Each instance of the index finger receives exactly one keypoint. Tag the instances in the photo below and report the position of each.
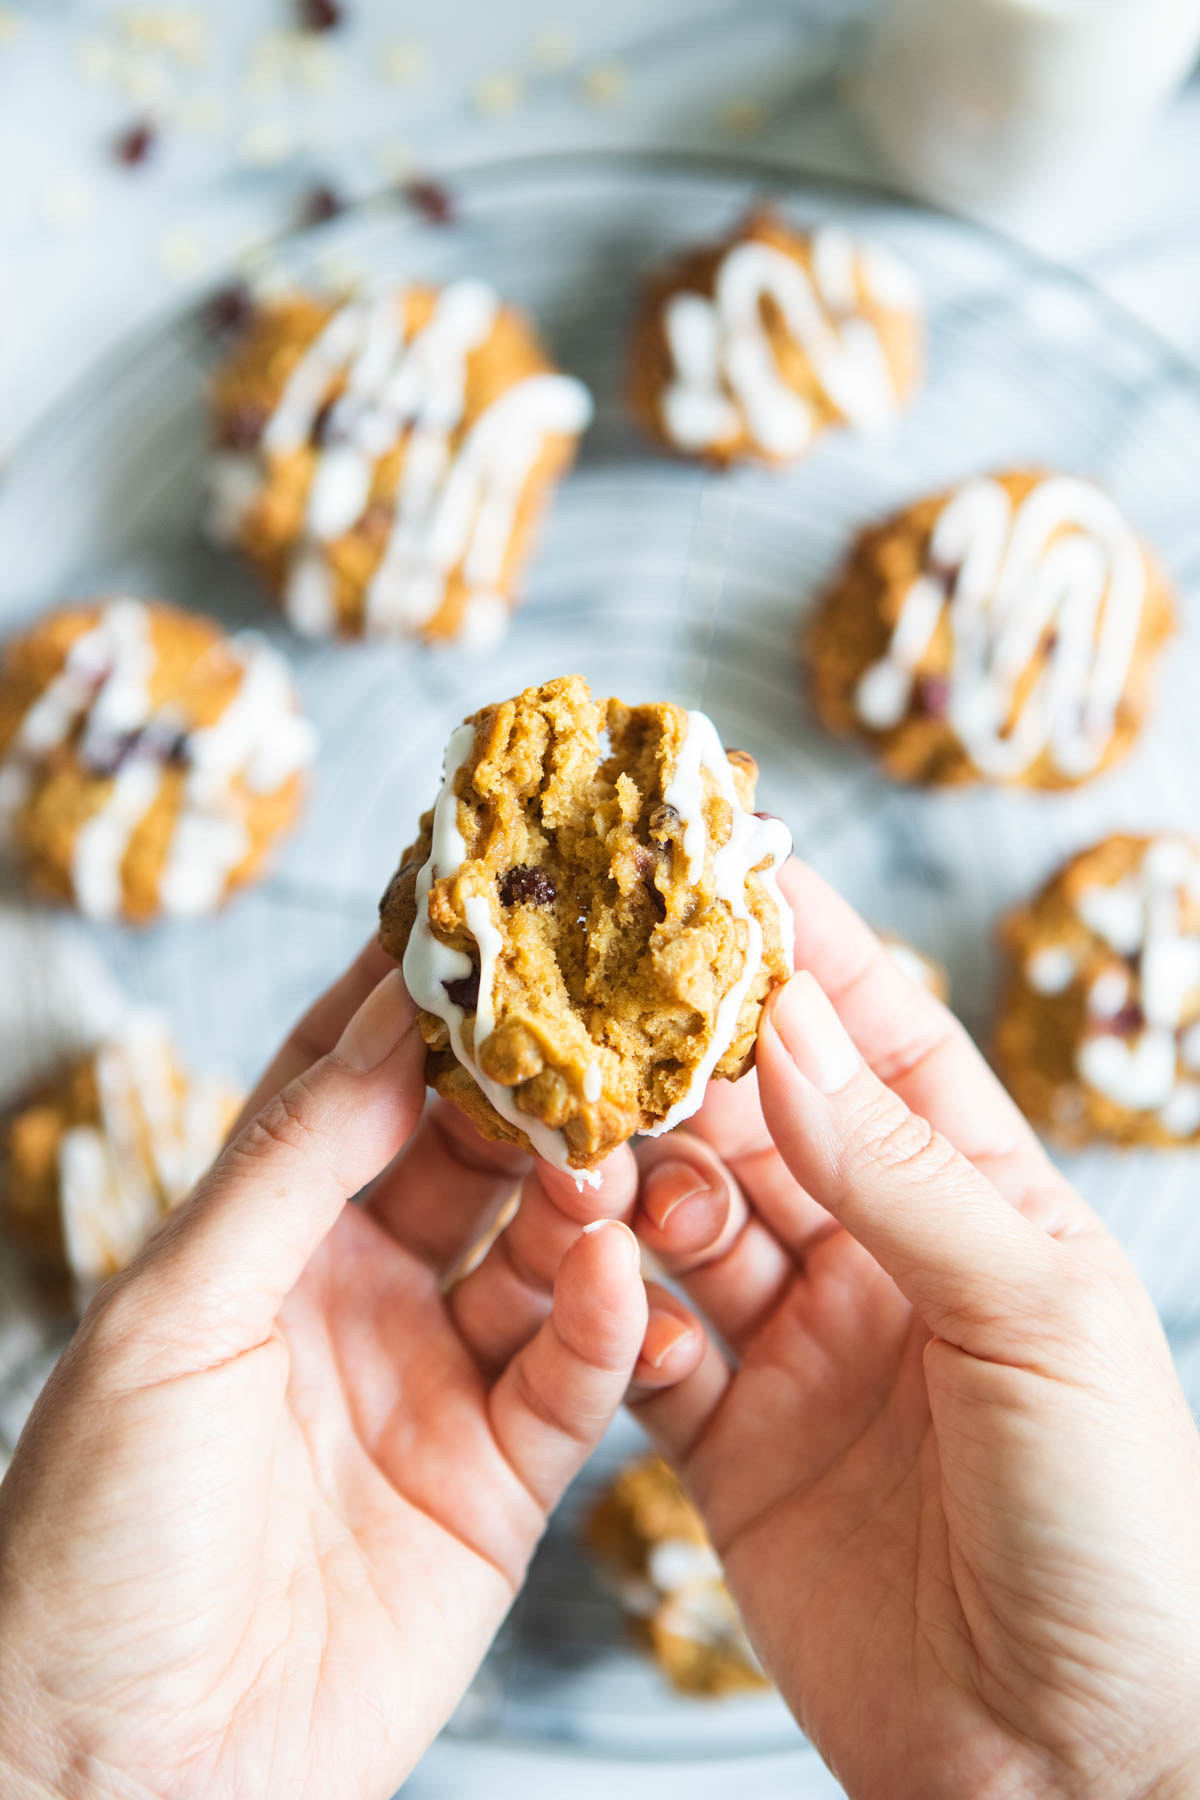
(315, 1034)
(912, 1042)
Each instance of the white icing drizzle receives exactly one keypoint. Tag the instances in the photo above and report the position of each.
(724, 370)
(1108, 993)
(684, 1592)
(431, 967)
(455, 502)
(1050, 970)
(751, 841)
(1065, 561)
(103, 689)
(673, 1563)
(1140, 919)
(118, 1178)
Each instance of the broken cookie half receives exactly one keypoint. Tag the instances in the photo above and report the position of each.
(589, 920)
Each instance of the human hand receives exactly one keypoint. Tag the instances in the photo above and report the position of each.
(282, 1487)
(951, 1474)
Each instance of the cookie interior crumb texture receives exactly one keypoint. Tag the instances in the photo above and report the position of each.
(1005, 631)
(652, 1544)
(384, 461)
(100, 1153)
(148, 762)
(589, 919)
(753, 347)
(1099, 1029)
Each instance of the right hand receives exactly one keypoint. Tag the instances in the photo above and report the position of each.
(949, 1468)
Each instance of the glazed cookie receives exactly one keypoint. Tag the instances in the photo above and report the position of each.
(589, 919)
(1005, 631)
(97, 1156)
(148, 762)
(1099, 1031)
(383, 462)
(650, 1541)
(752, 347)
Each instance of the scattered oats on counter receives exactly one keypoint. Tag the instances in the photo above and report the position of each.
(497, 94)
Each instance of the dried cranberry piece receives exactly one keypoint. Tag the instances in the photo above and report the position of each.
(933, 695)
(136, 144)
(465, 991)
(944, 573)
(111, 754)
(229, 308)
(434, 202)
(663, 821)
(321, 204)
(320, 15)
(321, 432)
(243, 427)
(524, 885)
(1129, 1020)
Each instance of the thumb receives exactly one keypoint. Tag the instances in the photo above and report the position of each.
(213, 1279)
(967, 1261)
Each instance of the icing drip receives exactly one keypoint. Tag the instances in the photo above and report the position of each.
(118, 1178)
(1140, 1031)
(725, 372)
(103, 691)
(431, 968)
(752, 840)
(684, 1591)
(455, 502)
(1062, 574)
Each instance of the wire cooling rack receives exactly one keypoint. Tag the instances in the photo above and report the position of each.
(654, 579)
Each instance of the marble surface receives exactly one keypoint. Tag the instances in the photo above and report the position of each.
(249, 119)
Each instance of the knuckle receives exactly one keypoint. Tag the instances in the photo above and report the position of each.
(286, 1123)
(887, 1137)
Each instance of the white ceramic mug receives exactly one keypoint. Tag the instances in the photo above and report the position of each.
(1007, 104)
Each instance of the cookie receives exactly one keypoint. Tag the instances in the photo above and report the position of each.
(1005, 631)
(917, 966)
(1099, 1029)
(650, 1541)
(148, 761)
(97, 1156)
(384, 461)
(589, 919)
(751, 348)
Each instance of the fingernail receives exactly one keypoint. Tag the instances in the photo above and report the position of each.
(631, 1243)
(665, 1188)
(664, 1334)
(813, 1035)
(377, 1027)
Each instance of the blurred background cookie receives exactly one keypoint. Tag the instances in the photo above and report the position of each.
(589, 919)
(750, 348)
(148, 761)
(1004, 631)
(652, 1546)
(96, 1156)
(1099, 1030)
(384, 461)
(921, 968)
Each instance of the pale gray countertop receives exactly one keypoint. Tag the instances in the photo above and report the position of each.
(252, 120)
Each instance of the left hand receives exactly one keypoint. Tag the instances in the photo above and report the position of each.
(283, 1486)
